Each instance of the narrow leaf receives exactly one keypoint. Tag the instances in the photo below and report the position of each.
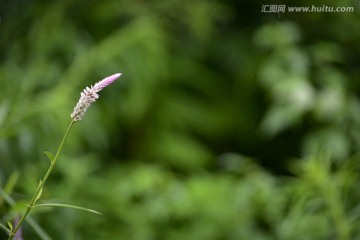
(10, 184)
(49, 155)
(39, 194)
(8, 231)
(66, 206)
(10, 226)
(36, 227)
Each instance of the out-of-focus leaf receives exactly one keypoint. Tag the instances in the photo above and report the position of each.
(7, 230)
(66, 206)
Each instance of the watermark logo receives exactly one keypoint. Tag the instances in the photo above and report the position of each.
(309, 9)
(273, 8)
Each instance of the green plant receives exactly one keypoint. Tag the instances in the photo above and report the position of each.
(88, 96)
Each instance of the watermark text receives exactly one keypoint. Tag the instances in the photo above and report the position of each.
(312, 9)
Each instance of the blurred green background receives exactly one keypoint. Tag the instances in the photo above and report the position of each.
(228, 122)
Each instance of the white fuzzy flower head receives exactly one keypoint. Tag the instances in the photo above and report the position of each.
(89, 95)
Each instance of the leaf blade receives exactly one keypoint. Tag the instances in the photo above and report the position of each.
(10, 226)
(67, 206)
(50, 156)
(38, 196)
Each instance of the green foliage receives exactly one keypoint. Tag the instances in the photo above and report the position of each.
(228, 123)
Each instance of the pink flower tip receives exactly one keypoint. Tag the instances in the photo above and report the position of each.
(90, 95)
(106, 81)
(112, 78)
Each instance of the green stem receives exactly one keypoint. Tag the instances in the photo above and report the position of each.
(41, 184)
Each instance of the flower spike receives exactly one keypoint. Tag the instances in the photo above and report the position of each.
(89, 95)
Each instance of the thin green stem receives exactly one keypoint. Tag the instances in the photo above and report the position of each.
(41, 184)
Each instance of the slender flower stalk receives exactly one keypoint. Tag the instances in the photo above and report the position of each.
(88, 96)
(38, 191)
